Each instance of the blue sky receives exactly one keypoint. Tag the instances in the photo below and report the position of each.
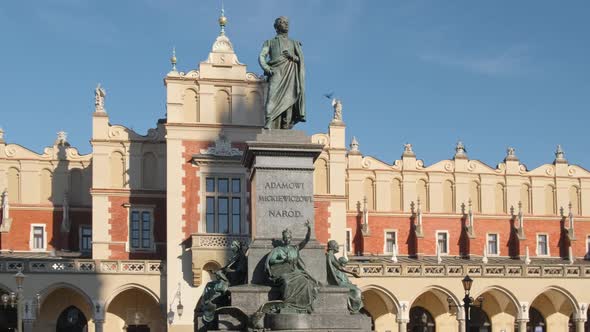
(492, 74)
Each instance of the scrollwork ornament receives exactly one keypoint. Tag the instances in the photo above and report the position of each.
(522, 169)
(366, 162)
(571, 171)
(397, 163)
(501, 168)
(10, 151)
(471, 166)
(549, 170)
(419, 164)
(449, 167)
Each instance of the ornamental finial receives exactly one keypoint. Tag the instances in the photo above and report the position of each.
(173, 59)
(222, 20)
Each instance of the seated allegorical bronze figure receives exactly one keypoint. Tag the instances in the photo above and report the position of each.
(337, 276)
(216, 291)
(286, 268)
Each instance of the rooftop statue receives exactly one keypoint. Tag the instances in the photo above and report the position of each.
(337, 276)
(286, 268)
(281, 58)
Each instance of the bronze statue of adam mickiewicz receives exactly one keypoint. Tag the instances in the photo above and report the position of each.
(281, 59)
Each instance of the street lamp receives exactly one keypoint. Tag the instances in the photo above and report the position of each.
(468, 301)
(20, 279)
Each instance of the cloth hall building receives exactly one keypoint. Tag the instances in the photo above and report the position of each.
(126, 237)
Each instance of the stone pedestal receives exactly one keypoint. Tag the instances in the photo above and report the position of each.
(281, 177)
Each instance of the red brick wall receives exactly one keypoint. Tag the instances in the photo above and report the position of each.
(119, 226)
(322, 224)
(509, 245)
(192, 188)
(19, 236)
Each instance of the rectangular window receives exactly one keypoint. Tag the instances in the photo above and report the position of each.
(542, 246)
(390, 241)
(140, 229)
(348, 246)
(442, 239)
(588, 247)
(492, 244)
(85, 238)
(38, 237)
(223, 211)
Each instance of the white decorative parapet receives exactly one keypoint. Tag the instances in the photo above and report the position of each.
(379, 269)
(83, 266)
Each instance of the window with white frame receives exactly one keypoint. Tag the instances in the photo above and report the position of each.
(390, 241)
(542, 245)
(493, 244)
(224, 205)
(348, 243)
(442, 242)
(38, 238)
(85, 238)
(141, 225)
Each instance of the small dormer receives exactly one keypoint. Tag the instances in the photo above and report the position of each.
(220, 91)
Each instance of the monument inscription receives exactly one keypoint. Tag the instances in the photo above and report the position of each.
(284, 201)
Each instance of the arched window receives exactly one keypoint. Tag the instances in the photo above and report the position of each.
(475, 196)
(525, 197)
(550, 200)
(46, 186)
(149, 170)
(500, 196)
(422, 194)
(396, 195)
(421, 320)
(77, 191)
(369, 193)
(14, 185)
(321, 176)
(448, 197)
(72, 320)
(191, 106)
(117, 170)
(479, 320)
(574, 196)
(222, 107)
(536, 321)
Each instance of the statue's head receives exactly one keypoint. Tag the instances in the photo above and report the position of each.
(236, 245)
(333, 246)
(287, 236)
(282, 24)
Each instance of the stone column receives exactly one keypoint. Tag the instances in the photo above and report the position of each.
(28, 325)
(98, 325)
(461, 322)
(580, 325)
(522, 324)
(402, 325)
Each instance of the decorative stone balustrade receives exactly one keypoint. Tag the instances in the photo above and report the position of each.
(217, 241)
(82, 266)
(385, 269)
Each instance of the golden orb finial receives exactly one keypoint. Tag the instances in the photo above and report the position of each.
(173, 59)
(222, 20)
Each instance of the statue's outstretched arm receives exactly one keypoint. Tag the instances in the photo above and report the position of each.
(262, 59)
(307, 236)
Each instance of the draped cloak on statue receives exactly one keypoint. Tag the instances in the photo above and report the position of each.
(285, 104)
(299, 289)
